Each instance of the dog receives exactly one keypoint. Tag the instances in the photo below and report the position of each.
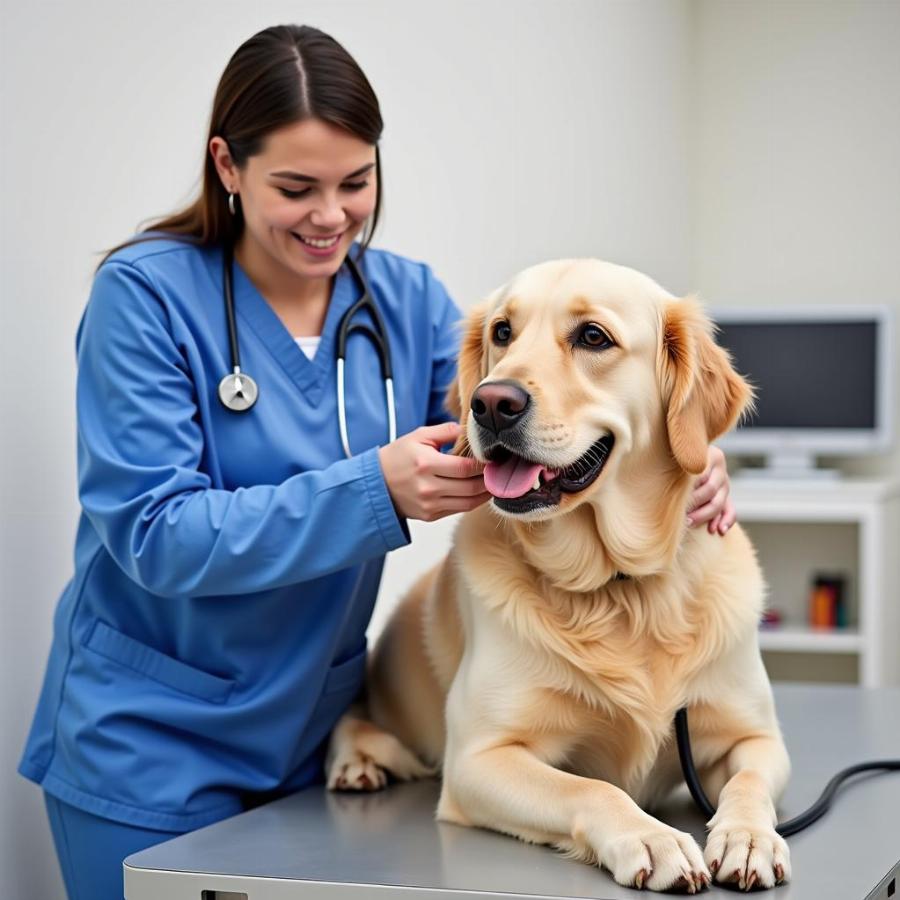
(540, 665)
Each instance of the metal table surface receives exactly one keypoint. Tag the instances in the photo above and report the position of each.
(387, 846)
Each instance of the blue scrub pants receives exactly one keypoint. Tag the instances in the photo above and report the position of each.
(91, 850)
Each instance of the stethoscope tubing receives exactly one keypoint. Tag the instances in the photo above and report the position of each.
(378, 337)
(785, 829)
(342, 409)
(238, 392)
(229, 309)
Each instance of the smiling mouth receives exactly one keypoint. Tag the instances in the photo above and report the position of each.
(520, 485)
(318, 243)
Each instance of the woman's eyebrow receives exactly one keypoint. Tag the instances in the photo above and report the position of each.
(296, 176)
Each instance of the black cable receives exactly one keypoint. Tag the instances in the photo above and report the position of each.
(785, 829)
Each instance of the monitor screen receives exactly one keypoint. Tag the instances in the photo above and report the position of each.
(807, 374)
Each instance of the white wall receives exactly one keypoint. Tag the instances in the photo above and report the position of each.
(515, 132)
(796, 172)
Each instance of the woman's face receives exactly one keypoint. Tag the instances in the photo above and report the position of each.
(307, 195)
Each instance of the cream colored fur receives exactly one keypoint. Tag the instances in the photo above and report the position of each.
(542, 686)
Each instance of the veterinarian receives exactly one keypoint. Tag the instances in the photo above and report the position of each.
(229, 551)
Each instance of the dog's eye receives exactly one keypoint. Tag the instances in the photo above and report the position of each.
(502, 333)
(595, 337)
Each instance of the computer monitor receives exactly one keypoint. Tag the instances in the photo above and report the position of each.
(823, 377)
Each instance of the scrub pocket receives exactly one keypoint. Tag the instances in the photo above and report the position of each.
(342, 684)
(113, 644)
(347, 675)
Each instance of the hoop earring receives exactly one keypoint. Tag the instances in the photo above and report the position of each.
(231, 203)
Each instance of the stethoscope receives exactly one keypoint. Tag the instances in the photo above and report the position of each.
(239, 392)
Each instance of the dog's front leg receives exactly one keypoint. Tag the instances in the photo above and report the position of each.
(508, 788)
(743, 846)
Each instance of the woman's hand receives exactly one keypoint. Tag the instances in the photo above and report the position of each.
(427, 484)
(710, 501)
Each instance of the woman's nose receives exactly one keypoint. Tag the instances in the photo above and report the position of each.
(328, 214)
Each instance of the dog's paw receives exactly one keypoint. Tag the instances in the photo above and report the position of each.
(361, 756)
(355, 771)
(755, 857)
(657, 857)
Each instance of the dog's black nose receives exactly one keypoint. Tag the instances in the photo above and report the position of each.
(499, 404)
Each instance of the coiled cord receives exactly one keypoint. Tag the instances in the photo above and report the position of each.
(785, 829)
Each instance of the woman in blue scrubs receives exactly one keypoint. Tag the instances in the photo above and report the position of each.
(226, 564)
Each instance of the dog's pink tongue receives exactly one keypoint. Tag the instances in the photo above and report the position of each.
(511, 478)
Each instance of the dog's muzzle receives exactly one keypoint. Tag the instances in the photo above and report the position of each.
(519, 483)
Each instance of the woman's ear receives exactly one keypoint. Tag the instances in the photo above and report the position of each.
(702, 393)
(469, 373)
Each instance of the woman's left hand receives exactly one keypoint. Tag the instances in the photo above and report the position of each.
(710, 501)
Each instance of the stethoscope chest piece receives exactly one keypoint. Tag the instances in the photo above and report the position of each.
(238, 391)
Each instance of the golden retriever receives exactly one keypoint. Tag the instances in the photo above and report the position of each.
(540, 665)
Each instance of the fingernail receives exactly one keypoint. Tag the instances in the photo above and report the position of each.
(688, 521)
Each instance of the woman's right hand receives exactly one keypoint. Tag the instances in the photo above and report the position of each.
(427, 484)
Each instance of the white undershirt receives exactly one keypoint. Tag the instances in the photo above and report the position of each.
(308, 344)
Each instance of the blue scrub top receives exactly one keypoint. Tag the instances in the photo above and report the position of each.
(226, 565)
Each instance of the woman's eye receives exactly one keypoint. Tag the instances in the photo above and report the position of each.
(293, 195)
(595, 337)
(352, 186)
(501, 333)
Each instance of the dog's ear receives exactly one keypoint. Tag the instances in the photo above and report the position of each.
(703, 394)
(469, 373)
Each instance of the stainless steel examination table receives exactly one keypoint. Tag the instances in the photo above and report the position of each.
(387, 845)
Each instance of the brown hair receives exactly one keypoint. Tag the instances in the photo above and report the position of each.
(280, 76)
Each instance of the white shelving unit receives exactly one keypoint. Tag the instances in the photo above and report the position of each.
(870, 512)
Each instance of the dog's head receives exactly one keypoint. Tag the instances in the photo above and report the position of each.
(578, 368)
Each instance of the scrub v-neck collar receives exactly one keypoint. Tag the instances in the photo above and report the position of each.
(310, 375)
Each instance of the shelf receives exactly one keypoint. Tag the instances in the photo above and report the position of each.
(849, 526)
(850, 500)
(799, 639)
